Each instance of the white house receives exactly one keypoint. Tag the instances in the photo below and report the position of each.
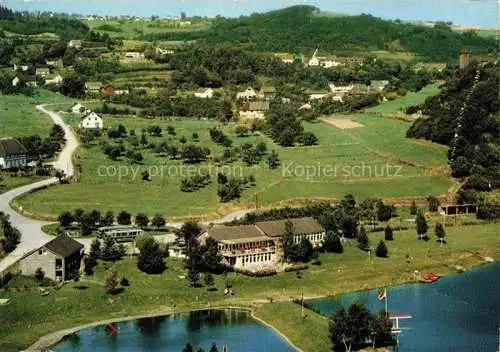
(57, 80)
(248, 94)
(42, 71)
(75, 44)
(340, 89)
(77, 108)
(379, 85)
(23, 68)
(317, 95)
(328, 62)
(12, 154)
(91, 121)
(161, 51)
(204, 93)
(255, 110)
(135, 55)
(16, 81)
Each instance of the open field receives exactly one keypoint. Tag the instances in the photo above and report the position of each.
(29, 315)
(18, 116)
(9, 181)
(412, 98)
(343, 124)
(376, 160)
(131, 29)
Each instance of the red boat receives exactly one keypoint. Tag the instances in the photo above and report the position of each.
(430, 277)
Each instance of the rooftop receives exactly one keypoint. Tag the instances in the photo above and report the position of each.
(64, 245)
(10, 146)
(277, 228)
(235, 234)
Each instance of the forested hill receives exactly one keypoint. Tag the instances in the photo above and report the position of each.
(28, 24)
(300, 29)
(477, 150)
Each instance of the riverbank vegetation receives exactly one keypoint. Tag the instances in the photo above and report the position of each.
(85, 301)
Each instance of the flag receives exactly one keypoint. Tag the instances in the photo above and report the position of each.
(382, 294)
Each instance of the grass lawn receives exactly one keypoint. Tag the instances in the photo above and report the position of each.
(29, 315)
(411, 98)
(375, 160)
(9, 181)
(18, 116)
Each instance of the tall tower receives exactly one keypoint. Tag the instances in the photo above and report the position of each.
(464, 58)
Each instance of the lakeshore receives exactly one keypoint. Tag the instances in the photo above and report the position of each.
(31, 316)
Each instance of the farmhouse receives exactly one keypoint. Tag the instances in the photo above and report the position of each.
(255, 110)
(379, 85)
(57, 80)
(204, 93)
(327, 62)
(75, 44)
(259, 247)
(317, 95)
(285, 57)
(93, 87)
(430, 66)
(12, 154)
(54, 63)
(16, 81)
(77, 108)
(91, 121)
(160, 51)
(42, 71)
(267, 93)
(248, 94)
(134, 55)
(60, 259)
(23, 68)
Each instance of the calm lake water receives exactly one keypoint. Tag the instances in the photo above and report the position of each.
(235, 329)
(457, 313)
(484, 13)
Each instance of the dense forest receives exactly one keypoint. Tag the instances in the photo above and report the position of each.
(472, 134)
(29, 24)
(298, 29)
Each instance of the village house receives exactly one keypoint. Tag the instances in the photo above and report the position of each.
(42, 71)
(161, 51)
(54, 63)
(266, 93)
(285, 57)
(204, 93)
(59, 259)
(121, 92)
(306, 106)
(56, 80)
(254, 110)
(77, 44)
(23, 68)
(429, 66)
(91, 121)
(31, 84)
(259, 246)
(134, 55)
(12, 154)
(93, 87)
(379, 85)
(78, 108)
(317, 94)
(248, 94)
(16, 81)
(327, 62)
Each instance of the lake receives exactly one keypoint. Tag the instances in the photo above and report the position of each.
(482, 13)
(456, 313)
(235, 329)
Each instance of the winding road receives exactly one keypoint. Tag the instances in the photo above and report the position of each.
(32, 236)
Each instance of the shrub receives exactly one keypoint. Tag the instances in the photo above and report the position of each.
(388, 233)
(124, 282)
(382, 250)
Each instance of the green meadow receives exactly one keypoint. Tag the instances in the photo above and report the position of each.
(374, 160)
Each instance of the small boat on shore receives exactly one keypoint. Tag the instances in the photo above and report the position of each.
(430, 277)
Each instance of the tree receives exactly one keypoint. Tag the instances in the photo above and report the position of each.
(273, 159)
(332, 243)
(213, 348)
(384, 212)
(208, 279)
(65, 219)
(193, 276)
(381, 250)
(89, 264)
(142, 220)
(158, 221)
(87, 224)
(151, 258)
(363, 240)
(78, 214)
(289, 247)
(413, 208)
(440, 232)
(381, 329)
(421, 225)
(305, 250)
(190, 230)
(112, 251)
(39, 275)
(388, 233)
(124, 218)
(188, 348)
(339, 331)
(95, 249)
(433, 203)
(111, 282)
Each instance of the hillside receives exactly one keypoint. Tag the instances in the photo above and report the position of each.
(298, 29)
(475, 150)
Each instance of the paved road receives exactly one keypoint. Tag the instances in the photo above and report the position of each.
(32, 235)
